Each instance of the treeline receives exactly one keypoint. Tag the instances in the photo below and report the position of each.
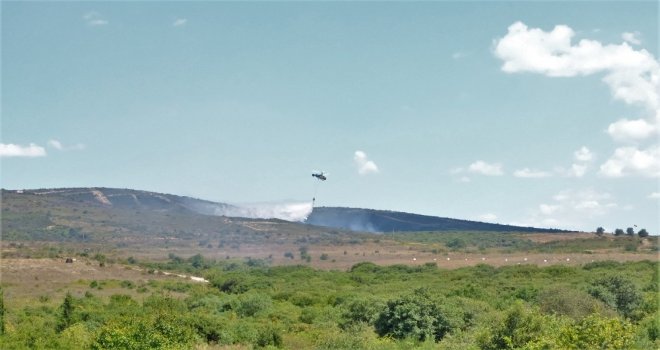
(601, 305)
(630, 231)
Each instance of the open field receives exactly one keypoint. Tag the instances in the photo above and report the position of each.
(30, 270)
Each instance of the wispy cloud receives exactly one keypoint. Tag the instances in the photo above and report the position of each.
(94, 19)
(531, 174)
(583, 154)
(56, 144)
(13, 150)
(572, 209)
(180, 22)
(488, 217)
(458, 55)
(632, 38)
(654, 195)
(488, 169)
(363, 164)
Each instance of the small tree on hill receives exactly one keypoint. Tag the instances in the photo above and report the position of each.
(630, 231)
(600, 231)
(643, 233)
(618, 232)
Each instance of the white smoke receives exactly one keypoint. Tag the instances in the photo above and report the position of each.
(292, 211)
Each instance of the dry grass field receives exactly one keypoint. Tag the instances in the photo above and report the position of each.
(28, 279)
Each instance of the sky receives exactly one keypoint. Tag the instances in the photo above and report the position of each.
(530, 113)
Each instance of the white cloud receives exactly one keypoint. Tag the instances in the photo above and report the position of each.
(632, 161)
(464, 179)
(488, 217)
(364, 165)
(483, 168)
(632, 38)
(632, 75)
(654, 195)
(94, 19)
(13, 150)
(531, 174)
(631, 130)
(180, 22)
(583, 154)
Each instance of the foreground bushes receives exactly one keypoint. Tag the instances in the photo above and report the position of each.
(604, 306)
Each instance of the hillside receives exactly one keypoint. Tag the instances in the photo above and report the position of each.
(110, 214)
(122, 215)
(370, 220)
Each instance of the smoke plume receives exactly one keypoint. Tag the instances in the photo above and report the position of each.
(292, 211)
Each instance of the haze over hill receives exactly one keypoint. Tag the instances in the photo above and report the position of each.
(370, 220)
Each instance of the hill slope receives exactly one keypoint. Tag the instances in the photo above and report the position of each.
(107, 214)
(370, 220)
(104, 214)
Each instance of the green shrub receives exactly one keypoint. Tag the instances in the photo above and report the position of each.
(617, 292)
(414, 316)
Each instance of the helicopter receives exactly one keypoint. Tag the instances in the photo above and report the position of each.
(320, 175)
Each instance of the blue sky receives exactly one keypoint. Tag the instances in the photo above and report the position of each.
(535, 113)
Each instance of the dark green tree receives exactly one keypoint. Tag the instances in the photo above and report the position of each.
(600, 231)
(643, 233)
(66, 313)
(414, 316)
(630, 231)
(618, 232)
(197, 261)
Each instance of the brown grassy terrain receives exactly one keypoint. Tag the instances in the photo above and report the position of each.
(38, 277)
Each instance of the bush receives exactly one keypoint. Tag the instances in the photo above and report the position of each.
(595, 332)
(568, 302)
(522, 327)
(360, 310)
(252, 304)
(414, 316)
(617, 292)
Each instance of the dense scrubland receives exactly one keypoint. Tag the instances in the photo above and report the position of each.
(249, 304)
